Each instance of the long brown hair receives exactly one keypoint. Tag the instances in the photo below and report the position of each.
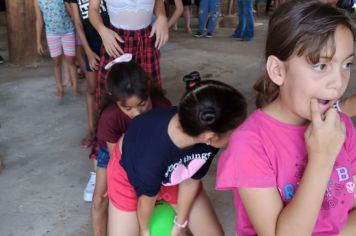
(299, 27)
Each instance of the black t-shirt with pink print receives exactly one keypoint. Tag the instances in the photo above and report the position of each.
(151, 159)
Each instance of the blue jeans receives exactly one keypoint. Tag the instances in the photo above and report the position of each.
(245, 28)
(208, 15)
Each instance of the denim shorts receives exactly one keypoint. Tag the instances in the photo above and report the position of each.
(103, 157)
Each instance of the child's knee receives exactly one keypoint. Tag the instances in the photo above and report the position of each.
(57, 61)
(70, 60)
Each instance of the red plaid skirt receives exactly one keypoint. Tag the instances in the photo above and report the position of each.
(142, 48)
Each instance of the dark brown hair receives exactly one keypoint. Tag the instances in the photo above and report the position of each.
(211, 105)
(299, 27)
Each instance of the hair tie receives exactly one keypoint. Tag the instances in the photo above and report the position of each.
(192, 80)
(207, 115)
(126, 57)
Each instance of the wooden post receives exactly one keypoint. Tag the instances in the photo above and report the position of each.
(21, 31)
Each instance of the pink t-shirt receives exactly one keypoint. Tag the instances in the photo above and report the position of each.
(264, 152)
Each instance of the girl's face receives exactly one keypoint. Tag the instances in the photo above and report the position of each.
(326, 80)
(134, 106)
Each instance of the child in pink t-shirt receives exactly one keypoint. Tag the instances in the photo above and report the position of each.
(292, 163)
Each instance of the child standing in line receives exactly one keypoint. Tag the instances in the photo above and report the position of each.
(91, 42)
(292, 163)
(209, 11)
(245, 28)
(130, 94)
(130, 32)
(166, 148)
(60, 37)
(180, 7)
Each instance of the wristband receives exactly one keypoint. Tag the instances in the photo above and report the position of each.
(182, 226)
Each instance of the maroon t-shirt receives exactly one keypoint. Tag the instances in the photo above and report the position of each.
(113, 122)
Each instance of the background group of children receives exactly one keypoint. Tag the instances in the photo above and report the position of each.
(303, 80)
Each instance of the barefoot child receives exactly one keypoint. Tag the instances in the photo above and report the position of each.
(60, 38)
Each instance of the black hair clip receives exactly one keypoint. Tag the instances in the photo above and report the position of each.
(192, 80)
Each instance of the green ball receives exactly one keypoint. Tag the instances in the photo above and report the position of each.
(161, 221)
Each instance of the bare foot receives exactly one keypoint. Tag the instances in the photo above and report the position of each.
(66, 83)
(59, 93)
(188, 30)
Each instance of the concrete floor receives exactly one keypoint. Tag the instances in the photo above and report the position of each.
(42, 185)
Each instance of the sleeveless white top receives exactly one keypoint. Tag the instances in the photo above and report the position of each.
(130, 14)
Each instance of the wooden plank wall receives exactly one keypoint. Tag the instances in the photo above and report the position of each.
(21, 31)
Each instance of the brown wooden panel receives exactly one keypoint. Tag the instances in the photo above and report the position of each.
(21, 31)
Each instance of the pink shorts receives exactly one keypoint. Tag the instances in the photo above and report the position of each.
(59, 42)
(120, 191)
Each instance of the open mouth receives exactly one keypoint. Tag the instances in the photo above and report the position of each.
(323, 102)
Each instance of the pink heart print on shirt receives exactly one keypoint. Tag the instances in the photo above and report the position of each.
(181, 172)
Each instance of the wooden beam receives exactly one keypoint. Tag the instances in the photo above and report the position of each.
(21, 31)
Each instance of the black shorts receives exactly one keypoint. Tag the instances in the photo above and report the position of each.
(185, 2)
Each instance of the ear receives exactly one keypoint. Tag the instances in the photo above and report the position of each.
(276, 70)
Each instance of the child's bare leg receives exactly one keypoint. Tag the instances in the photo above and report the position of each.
(58, 75)
(99, 209)
(122, 222)
(90, 97)
(91, 78)
(202, 213)
(186, 15)
(73, 74)
(66, 82)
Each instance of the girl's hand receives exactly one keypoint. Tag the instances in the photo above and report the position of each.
(324, 137)
(160, 28)
(176, 231)
(40, 49)
(93, 60)
(110, 40)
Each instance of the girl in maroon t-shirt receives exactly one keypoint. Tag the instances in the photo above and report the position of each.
(130, 93)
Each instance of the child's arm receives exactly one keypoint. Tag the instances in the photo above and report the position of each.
(350, 227)
(110, 38)
(348, 106)
(39, 27)
(111, 147)
(160, 26)
(144, 209)
(92, 57)
(264, 206)
(176, 14)
(188, 190)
